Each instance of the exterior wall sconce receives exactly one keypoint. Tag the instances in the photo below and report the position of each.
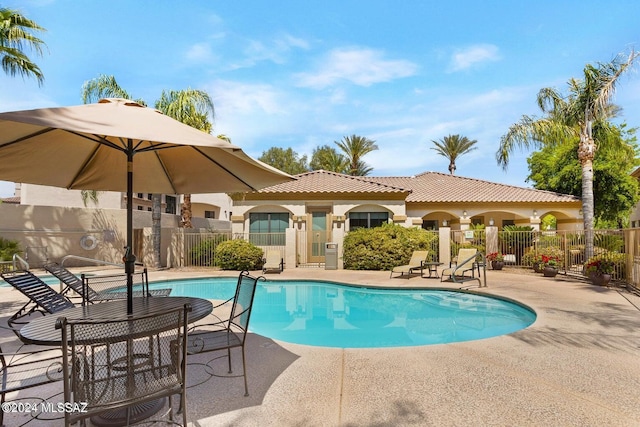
(580, 212)
(464, 214)
(444, 222)
(491, 222)
(535, 213)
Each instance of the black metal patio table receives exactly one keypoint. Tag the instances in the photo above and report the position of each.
(42, 331)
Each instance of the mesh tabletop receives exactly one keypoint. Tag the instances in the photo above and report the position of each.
(42, 330)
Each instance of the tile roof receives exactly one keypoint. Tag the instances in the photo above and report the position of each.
(441, 187)
(15, 200)
(430, 187)
(321, 181)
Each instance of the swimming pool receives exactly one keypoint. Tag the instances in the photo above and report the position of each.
(328, 314)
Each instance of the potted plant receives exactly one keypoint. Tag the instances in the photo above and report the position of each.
(496, 259)
(550, 264)
(599, 270)
(537, 264)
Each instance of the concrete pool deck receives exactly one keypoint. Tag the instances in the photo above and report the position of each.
(577, 365)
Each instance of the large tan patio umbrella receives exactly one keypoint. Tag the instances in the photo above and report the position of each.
(119, 145)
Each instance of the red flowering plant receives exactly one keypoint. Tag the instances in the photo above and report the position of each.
(550, 261)
(599, 266)
(495, 256)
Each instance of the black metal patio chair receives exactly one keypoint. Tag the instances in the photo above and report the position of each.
(119, 365)
(99, 288)
(231, 332)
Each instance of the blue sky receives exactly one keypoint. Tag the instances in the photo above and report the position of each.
(302, 74)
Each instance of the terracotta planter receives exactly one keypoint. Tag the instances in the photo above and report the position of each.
(497, 265)
(549, 271)
(600, 279)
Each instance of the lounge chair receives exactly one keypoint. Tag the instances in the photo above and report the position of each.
(416, 263)
(463, 270)
(42, 297)
(104, 287)
(230, 332)
(273, 261)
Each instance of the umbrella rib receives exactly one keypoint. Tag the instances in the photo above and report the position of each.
(166, 173)
(158, 147)
(221, 166)
(15, 141)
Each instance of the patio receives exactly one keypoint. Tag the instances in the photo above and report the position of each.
(577, 365)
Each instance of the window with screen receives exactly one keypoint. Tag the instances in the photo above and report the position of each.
(367, 219)
(268, 228)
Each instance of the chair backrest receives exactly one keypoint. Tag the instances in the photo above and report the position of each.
(418, 257)
(466, 258)
(99, 285)
(243, 302)
(114, 364)
(38, 292)
(71, 281)
(273, 257)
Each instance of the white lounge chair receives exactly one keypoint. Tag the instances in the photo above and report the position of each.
(416, 263)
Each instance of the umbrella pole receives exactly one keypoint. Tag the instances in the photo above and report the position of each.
(129, 257)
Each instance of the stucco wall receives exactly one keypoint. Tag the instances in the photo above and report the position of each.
(51, 232)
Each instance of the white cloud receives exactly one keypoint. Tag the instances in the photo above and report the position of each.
(362, 67)
(199, 52)
(473, 55)
(276, 50)
(244, 99)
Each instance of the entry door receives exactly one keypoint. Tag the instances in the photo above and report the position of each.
(317, 234)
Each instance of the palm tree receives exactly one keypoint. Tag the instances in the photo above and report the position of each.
(191, 107)
(224, 137)
(570, 118)
(16, 33)
(188, 106)
(354, 148)
(452, 147)
(105, 86)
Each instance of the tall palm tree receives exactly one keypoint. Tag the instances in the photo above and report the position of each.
(191, 107)
(105, 86)
(452, 147)
(188, 106)
(354, 148)
(570, 118)
(16, 33)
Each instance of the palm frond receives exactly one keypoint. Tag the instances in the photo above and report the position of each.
(103, 86)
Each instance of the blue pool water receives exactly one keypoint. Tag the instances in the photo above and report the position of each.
(335, 315)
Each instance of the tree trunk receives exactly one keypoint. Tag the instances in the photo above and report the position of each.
(586, 152)
(156, 228)
(186, 212)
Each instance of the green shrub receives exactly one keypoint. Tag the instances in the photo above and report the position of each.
(202, 254)
(238, 255)
(8, 248)
(384, 247)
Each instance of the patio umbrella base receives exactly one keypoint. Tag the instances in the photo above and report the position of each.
(118, 417)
